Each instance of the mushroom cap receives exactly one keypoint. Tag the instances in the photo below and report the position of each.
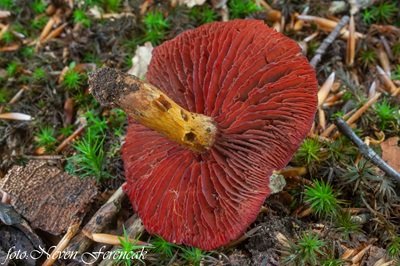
(262, 93)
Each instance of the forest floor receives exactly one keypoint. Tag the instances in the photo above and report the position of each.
(337, 207)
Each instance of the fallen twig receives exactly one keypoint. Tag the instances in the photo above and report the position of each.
(72, 230)
(328, 40)
(98, 222)
(366, 151)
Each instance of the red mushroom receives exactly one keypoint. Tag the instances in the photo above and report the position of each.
(248, 99)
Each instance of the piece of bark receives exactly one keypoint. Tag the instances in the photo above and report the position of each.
(13, 240)
(50, 199)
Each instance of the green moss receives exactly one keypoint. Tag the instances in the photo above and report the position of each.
(393, 249)
(309, 151)
(12, 69)
(4, 94)
(39, 22)
(39, 74)
(203, 14)
(163, 247)
(192, 255)
(383, 12)
(155, 27)
(307, 250)
(38, 6)
(73, 80)
(80, 17)
(368, 57)
(386, 113)
(242, 8)
(8, 37)
(7, 4)
(322, 198)
(46, 138)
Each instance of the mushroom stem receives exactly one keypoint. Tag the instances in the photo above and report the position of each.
(152, 108)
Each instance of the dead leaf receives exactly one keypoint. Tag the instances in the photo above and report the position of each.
(391, 152)
(141, 60)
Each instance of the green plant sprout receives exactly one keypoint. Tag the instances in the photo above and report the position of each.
(396, 73)
(396, 49)
(242, 8)
(67, 130)
(73, 80)
(346, 225)
(307, 250)
(80, 17)
(90, 156)
(3, 95)
(7, 4)
(163, 247)
(333, 262)
(309, 151)
(12, 69)
(386, 113)
(203, 14)
(39, 74)
(111, 5)
(39, 22)
(155, 27)
(46, 138)
(128, 251)
(8, 37)
(193, 255)
(383, 12)
(368, 57)
(393, 248)
(89, 159)
(27, 51)
(38, 6)
(322, 199)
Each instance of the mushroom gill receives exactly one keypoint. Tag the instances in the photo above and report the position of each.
(260, 91)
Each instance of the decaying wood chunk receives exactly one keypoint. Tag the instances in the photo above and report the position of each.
(47, 197)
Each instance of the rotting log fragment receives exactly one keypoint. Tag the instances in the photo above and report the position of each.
(48, 198)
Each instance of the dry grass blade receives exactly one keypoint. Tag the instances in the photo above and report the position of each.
(55, 33)
(325, 89)
(70, 138)
(387, 82)
(329, 25)
(351, 43)
(362, 109)
(329, 130)
(384, 60)
(111, 239)
(16, 116)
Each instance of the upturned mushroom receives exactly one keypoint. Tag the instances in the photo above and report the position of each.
(225, 105)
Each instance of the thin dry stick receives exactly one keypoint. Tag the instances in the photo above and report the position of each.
(366, 151)
(362, 109)
(328, 40)
(100, 220)
(72, 230)
(329, 130)
(70, 138)
(351, 43)
(387, 82)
